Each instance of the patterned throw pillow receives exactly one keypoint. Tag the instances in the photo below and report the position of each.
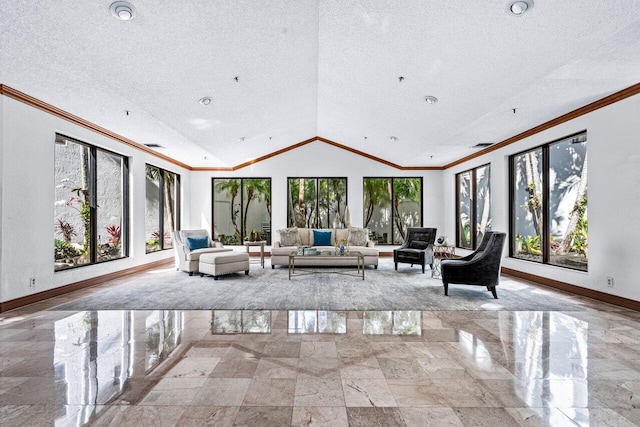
(357, 236)
(290, 237)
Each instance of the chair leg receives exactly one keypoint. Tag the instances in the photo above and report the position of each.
(396, 266)
(493, 291)
(191, 273)
(446, 289)
(422, 268)
(246, 272)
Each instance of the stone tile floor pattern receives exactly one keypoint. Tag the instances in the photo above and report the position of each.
(319, 368)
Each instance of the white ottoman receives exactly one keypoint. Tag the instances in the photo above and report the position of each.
(217, 264)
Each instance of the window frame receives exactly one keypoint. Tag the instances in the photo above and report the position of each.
(473, 208)
(93, 203)
(317, 198)
(545, 239)
(243, 232)
(177, 202)
(393, 228)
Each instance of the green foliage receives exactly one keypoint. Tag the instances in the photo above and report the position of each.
(64, 250)
(580, 234)
(377, 193)
(85, 215)
(404, 190)
(65, 229)
(529, 244)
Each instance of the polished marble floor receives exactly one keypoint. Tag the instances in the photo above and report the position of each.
(308, 368)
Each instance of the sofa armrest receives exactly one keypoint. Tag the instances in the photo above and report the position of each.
(217, 244)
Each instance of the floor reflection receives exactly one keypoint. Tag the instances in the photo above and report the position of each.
(555, 366)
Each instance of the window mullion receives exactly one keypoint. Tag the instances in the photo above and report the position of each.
(161, 199)
(545, 240)
(473, 209)
(93, 203)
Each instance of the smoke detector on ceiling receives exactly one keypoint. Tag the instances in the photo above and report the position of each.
(122, 10)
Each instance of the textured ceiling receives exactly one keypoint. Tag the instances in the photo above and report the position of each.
(319, 67)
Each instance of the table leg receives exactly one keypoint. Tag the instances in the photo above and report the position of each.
(262, 255)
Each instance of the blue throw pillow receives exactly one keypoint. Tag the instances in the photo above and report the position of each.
(321, 238)
(198, 242)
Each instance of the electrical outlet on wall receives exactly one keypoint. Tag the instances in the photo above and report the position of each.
(610, 282)
(32, 283)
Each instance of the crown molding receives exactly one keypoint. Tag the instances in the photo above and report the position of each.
(57, 112)
(316, 139)
(596, 105)
(41, 105)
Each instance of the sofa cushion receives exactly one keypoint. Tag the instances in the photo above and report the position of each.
(305, 236)
(197, 242)
(341, 235)
(357, 236)
(416, 244)
(290, 237)
(321, 238)
(195, 255)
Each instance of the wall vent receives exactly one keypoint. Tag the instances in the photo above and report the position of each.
(483, 145)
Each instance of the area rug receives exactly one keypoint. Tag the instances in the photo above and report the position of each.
(270, 289)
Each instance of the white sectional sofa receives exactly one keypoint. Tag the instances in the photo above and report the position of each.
(280, 253)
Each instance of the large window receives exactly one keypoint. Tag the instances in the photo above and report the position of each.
(390, 206)
(549, 203)
(241, 209)
(91, 208)
(317, 202)
(162, 207)
(473, 207)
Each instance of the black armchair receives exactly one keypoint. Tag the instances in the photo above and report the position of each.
(481, 268)
(417, 247)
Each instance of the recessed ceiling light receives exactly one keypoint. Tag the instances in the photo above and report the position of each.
(483, 145)
(122, 10)
(393, 138)
(520, 7)
(242, 139)
(430, 99)
(205, 100)
(152, 145)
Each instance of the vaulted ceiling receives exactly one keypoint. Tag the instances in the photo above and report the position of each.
(355, 72)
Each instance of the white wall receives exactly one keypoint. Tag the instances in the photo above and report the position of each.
(613, 196)
(316, 159)
(27, 195)
(27, 200)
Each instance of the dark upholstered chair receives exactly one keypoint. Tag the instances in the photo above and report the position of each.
(417, 247)
(481, 268)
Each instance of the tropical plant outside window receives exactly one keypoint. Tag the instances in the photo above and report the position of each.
(241, 210)
(390, 206)
(473, 206)
(549, 203)
(162, 208)
(90, 213)
(317, 202)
